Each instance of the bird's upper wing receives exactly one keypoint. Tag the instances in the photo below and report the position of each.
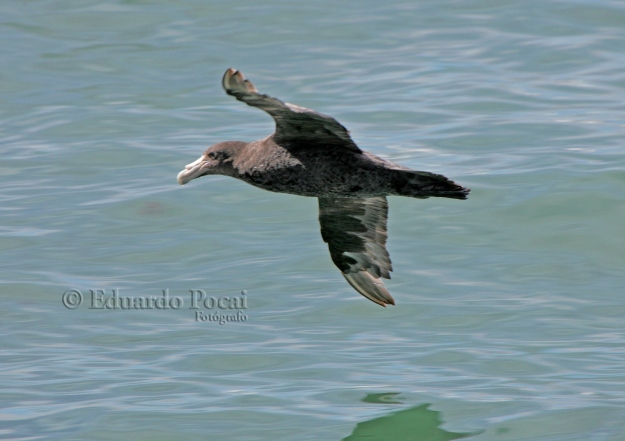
(355, 231)
(296, 127)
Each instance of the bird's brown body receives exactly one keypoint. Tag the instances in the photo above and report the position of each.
(328, 172)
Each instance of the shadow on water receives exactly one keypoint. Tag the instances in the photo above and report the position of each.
(414, 424)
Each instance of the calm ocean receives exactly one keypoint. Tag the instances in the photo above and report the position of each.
(510, 316)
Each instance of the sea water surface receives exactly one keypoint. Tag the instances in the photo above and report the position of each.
(510, 316)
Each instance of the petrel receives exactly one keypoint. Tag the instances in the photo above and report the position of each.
(312, 154)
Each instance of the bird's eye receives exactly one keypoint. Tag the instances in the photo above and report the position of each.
(212, 155)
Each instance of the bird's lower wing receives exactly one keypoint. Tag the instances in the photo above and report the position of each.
(355, 231)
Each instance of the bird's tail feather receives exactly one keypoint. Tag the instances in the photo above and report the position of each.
(418, 184)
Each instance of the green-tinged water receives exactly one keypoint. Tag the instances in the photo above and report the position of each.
(510, 316)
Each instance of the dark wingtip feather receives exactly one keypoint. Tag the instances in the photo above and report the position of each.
(370, 286)
(234, 82)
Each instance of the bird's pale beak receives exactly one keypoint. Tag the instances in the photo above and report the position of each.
(193, 170)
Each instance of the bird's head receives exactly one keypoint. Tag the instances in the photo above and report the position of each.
(216, 160)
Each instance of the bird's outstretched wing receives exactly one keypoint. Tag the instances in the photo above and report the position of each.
(296, 127)
(355, 231)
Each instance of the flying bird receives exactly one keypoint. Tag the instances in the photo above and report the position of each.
(312, 154)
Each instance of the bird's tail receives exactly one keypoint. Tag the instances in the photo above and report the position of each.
(418, 184)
